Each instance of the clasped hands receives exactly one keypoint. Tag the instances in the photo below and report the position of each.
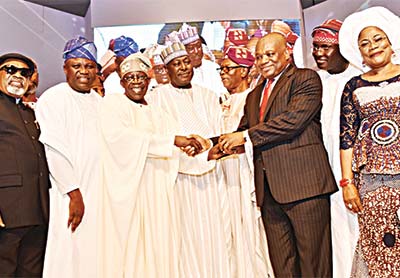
(192, 144)
(227, 144)
(231, 143)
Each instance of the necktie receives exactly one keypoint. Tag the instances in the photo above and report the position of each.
(264, 102)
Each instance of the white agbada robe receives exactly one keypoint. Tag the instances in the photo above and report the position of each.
(208, 77)
(344, 224)
(249, 255)
(69, 131)
(138, 222)
(204, 222)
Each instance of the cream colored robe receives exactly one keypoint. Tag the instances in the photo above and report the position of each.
(69, 132)
(138, 223)
(249, 254)
(344, 223)
(204, 218)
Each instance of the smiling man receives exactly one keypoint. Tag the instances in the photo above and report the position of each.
(335, 71)
(24, 181)
(68, 116)
(139, 196)
(249, 257)
(204, 71)
(203, 252)
(293, 178)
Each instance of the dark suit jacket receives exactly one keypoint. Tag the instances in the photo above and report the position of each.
(24, 178)
(288, 145)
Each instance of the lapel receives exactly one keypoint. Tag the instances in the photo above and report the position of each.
(278, 87)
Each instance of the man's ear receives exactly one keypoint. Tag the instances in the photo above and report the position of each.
(64, 68)
(287, 54)
(244, 72)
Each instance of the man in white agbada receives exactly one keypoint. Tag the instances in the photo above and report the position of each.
(205, 233)
(138, 226)
(335, 71)
(68, 117)
(249, 254)
(204, 71)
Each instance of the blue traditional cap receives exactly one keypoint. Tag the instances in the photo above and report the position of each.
(123, 46)
(80, 48)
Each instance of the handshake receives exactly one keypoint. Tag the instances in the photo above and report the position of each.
(193, 144)
(227, 144)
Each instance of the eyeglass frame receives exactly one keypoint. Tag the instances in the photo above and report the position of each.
(133, 77)
(227, 69)
(11, 69)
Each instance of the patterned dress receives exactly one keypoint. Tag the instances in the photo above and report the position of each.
(369, 123)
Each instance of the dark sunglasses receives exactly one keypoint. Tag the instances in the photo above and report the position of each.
(228, 69)
(13, 70)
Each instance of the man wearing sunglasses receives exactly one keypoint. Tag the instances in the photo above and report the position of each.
(24, 184)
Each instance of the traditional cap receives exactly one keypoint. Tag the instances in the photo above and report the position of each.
(123, 46)
(171, 38)
(135, 62)
(28, 61)
(80, 48)
(157, 60)
(154, 52)
(356, 22)
(327, 32)
(188, 34)
(291, 38)
(237, 36)
(240, 55)
(258, 34)
(278, 26)
(173, 51)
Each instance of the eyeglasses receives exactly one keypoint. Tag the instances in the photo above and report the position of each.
(130, 78)
(228, 68)
(13, 70)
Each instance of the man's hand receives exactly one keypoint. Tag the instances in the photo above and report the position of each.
(215, 153)
(76, 209)
(229, 141)
(351, 198)
(205, 143)
(189, 145)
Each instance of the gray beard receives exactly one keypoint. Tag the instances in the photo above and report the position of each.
(15, 91)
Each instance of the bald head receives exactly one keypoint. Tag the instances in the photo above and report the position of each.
(272, 56)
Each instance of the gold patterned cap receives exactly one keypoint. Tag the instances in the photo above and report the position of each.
(173, 51)
(135, 62)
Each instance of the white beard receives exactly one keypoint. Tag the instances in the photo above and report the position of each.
(15, 91)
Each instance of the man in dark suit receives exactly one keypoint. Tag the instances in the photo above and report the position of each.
(292, 174)
(24, 177)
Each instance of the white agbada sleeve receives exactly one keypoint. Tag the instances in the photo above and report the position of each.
(55, 139)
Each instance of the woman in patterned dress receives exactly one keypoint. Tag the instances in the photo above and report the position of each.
(370, 141)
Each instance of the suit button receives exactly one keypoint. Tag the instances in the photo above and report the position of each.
(33, 137)
(39, 155)
(26, 122)
(41, 174)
